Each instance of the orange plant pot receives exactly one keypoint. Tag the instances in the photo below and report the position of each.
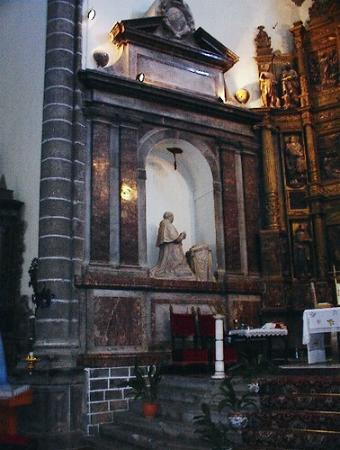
(150, 409)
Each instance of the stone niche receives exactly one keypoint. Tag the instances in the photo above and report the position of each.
(213, 190)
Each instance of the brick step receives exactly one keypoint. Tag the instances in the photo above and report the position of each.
(145, 439)
(299, 384)
(317, 402)
(319, 420)
(293, 438)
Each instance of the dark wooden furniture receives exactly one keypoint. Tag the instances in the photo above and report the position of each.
(184, 340)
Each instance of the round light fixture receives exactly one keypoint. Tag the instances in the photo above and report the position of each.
(140, 77)
(91, 14)
(242, 95)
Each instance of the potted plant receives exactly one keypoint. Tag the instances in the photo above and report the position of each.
(216, 434)
(237, 403)
(145, 387)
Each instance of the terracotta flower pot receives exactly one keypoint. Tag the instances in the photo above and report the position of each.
(150, 409)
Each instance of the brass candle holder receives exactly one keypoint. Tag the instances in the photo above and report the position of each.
(31, 361)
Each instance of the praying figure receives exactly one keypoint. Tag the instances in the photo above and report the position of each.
(172, 263)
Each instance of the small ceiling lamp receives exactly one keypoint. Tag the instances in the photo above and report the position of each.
(175, 151)
(140, 77)
(91, 14)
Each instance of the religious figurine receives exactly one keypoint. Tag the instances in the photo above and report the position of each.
(263, 42)
(329, 67)
(302, 251)
(200, 260)
(290, 87)
(177, 17)
(331, 165)
(172, 263)
(314, 70)
(268, 89)
(295, 162)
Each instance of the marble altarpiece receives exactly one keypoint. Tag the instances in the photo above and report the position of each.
(181, 100)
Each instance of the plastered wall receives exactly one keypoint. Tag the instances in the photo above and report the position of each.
(22, 49)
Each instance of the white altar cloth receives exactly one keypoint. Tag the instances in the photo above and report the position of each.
(316, 322)
(259, 332)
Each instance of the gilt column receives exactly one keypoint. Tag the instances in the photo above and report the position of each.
(311, 149)
(270, 176)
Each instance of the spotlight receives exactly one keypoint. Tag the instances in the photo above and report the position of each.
(91, 14)
(140, 77)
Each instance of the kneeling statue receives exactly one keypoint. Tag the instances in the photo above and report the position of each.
(172, 263)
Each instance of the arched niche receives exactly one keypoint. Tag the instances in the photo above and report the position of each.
(188, 192)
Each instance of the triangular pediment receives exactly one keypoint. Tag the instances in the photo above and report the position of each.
(152, 32)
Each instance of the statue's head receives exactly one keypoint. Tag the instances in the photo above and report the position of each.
(169, 216)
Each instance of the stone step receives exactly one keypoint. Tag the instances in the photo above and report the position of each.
(318, 420)
(157, 426)
(299, 384)
(101, 443)
(147, 440)
(293, 438)
(317, 402)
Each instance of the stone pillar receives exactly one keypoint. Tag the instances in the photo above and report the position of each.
(62, 181)
(271, 190)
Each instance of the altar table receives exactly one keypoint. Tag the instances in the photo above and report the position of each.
(263, 333)
(316, 322)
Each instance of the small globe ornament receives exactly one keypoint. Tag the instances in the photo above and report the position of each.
(242, 95)
(101, 58)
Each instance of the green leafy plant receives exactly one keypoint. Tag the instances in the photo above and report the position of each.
(145, 383)
(215, 434)
(254, 365)
(233, 401)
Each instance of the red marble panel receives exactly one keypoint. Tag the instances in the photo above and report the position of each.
(252, 209)
(128, 197)
(100, 218)
(117, 321)
(230, 213)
